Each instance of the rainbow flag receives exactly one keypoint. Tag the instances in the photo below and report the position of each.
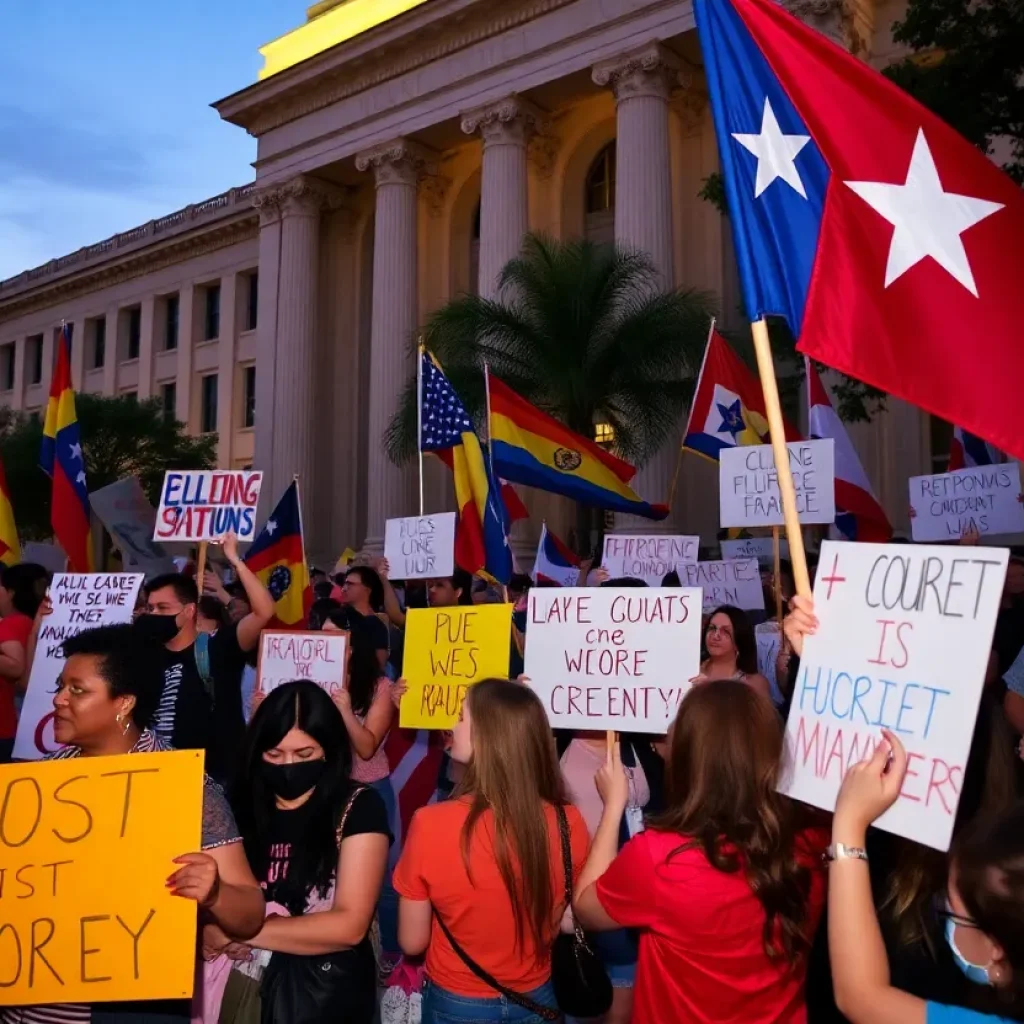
(10, 549)
(61, 459)
(532, 448)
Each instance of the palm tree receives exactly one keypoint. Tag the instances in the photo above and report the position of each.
(582, 331)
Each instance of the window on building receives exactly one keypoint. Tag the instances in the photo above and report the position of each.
(35, 416)
(601, 181)
(169, 401)
(211, 312)
(249, 396)
(34, 359)
(131, 395)
(252, 300)
(172, 306)
(604, 434)
(941, 441)
(134, 329)
(7, 367)
(208, 406)
(98, 344)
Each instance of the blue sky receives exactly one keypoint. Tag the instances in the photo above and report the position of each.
(104, 113)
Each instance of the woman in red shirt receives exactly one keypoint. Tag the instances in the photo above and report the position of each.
(22, 589)
(725, 888)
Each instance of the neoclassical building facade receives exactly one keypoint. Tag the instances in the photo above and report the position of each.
(404, 148)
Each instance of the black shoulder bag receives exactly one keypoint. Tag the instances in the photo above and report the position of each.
(581, 984)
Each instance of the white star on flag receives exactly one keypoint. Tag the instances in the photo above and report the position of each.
(271, 527)
(76, 451)
(80, 479)
(775, 152)
(928, 221)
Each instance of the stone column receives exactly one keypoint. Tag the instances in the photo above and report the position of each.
(642, 82)
(506, 128)
(226, 368)
(397, 167)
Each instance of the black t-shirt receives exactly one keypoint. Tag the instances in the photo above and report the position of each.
(372, 629)
(189, 717)
(1009, 636)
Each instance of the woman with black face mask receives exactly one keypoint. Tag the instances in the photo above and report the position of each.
(318, 844)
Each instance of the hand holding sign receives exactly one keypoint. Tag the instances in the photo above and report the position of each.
(870, 788)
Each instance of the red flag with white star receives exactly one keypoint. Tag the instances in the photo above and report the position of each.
(891, 245)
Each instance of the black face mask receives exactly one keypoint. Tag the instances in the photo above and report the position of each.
(161, 629)
(290, 781)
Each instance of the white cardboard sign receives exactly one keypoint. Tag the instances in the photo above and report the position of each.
(903, 643)
(754, 547)
(736, 582)
(613, 657)
(130, 519)
(647, 557)
(80, 601)
(769, 640)
(748, 484)
(420, 547)
(287, 656)
(198, 505)
(984, 498)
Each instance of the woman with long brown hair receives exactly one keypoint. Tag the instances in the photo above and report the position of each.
(724, 886)
(481, 879)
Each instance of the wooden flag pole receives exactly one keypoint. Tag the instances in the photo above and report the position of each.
(777, 554)
(201, 566)
(766, 370)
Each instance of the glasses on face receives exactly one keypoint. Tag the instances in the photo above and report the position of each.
(353, 583)
(723, 631)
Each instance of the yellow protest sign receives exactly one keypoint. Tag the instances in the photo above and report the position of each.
(446, 651)
(86, 845)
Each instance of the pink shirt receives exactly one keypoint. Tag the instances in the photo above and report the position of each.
(375, 768)
(580, 763)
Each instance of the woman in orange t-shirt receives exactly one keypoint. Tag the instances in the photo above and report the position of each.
(486, 866)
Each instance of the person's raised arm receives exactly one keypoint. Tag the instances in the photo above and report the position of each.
(860, 967)
(368, 735)
(391, 605)
(260, 601)
(46, 608)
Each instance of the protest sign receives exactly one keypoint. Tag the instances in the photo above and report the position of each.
(612, 657)
(198, 505)
(754, 547)
(983, 498)
(287, 656)
(86, 847)
(80, 601)
(736, 582)
(446, 651)
(49, 556)
(130, 519)
(903, 643)
(748, 484)
(647, 558)
(420, 547)
(769, 639)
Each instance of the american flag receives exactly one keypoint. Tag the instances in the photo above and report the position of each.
(444, 419)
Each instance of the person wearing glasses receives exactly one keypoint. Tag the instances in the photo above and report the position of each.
(731, 651)
(364, 595)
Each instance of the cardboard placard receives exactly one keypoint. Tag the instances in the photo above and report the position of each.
(446, 651)
(736, 582)
(613, 657)
(648, 558)
(903, 642)
(80, 601)
(755, 547)
(748, 484)
(67, 936)
(286, 656)
(130, 519)
(983, 498)
(198, 505)
(769, 640)
(420, 547)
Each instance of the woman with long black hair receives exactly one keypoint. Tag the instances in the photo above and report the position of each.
(318, 844)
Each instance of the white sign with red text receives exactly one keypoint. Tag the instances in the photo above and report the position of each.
(612, 657)
(285, 657)
(80, 601)
(903, 643)
(198, 505)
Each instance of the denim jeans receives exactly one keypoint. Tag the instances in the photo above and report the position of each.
(443, 1007)
(387, 908)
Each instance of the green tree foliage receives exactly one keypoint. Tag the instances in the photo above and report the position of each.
(120, 437)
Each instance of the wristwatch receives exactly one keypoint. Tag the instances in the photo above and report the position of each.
(840, 851)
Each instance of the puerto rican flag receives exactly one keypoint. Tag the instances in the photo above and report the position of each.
(968, 451)
(555, 562)
(858, 514)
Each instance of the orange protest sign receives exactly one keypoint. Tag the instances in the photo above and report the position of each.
(86, 846)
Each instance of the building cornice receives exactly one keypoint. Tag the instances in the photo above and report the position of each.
(412, 41)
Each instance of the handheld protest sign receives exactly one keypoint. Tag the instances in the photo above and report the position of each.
(80, 601)
(285, 656)
(207, 505)
(736, 582)
(420, 547)
(86, 847)
(903, 643)
(761, 548)
(984, 498)
(647, 557)
(613, 658)
(748, 484)
(446, 651)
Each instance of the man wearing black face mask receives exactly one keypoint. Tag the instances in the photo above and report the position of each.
(201, 704)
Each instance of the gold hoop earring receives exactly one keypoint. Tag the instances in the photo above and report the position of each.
(121, 717)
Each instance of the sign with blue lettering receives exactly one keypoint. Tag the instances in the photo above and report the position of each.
(198, 505)
(983, 498)
(903, 643)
